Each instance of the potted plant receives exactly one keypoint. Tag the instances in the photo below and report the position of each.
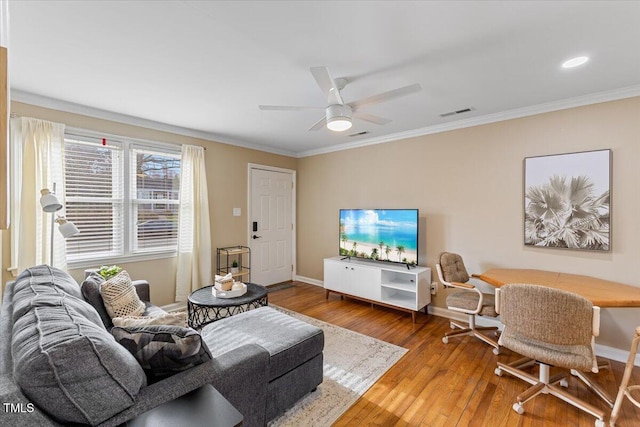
(234, 266)
(109, 271)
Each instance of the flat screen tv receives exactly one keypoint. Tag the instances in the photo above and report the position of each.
(389, 235)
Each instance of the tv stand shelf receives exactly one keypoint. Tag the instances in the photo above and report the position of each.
(381, 283)
(409, 287)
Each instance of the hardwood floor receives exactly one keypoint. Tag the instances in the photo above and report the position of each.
(438, 384)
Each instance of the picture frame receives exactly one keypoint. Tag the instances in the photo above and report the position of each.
(567, 200)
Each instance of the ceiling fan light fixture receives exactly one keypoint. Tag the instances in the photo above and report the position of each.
(575, 62)
(339, 124)
(338, 117)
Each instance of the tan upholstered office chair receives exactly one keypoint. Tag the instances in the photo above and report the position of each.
(625, 388)
(552, 328)
(468, 300)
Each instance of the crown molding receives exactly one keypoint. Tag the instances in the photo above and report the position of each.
(594, 98)
(71, 107)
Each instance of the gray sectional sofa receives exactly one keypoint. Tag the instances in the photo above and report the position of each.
(59, 364)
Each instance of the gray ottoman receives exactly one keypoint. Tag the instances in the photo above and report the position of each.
(295, 349)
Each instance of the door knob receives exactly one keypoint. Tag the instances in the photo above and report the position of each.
(255, 237)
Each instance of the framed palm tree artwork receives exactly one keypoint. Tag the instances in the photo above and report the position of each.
(567, 201)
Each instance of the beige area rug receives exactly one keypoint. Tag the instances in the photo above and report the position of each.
(352, 363)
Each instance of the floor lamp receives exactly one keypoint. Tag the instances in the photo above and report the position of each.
(50, 204)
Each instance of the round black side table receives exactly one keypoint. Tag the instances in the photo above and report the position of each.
(203, 308)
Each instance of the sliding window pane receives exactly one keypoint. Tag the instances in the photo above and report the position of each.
(94, 199)
(155, 190)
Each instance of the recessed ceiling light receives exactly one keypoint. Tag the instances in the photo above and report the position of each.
(575, 62)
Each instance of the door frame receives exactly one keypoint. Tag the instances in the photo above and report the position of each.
(256, 166)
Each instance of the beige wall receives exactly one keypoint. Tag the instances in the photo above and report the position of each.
(468, 186)
(226, 179)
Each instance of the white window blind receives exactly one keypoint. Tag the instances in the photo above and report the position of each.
(122, 197)
(155, 188)
(95, 199)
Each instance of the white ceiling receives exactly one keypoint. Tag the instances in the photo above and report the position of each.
(204, 67)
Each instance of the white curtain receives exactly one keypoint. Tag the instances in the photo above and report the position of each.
(194, 234)
(37, 153)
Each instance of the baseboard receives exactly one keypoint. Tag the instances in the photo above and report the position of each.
(601, 350)
(446, 313)
(615, 354)
(309, 281)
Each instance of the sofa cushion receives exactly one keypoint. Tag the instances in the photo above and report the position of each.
(40, 280)
(163, 350)
(120, 296)
(90, 288)
(152, 310)
(69, 365)
(289, 341)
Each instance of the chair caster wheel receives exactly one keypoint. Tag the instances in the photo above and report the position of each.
(600, 423)
(452, 326)
(564, 383)
(498, 372)
(496, 351)
(445, 340)
(518, 408)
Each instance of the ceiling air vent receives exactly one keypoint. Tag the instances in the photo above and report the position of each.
(453, 113)
(364, 132)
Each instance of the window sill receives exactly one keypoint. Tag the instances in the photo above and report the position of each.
(95, 263)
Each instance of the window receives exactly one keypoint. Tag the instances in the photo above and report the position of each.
(154, 192)
(123, 196)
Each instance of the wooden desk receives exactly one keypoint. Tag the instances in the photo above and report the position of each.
(602, 293)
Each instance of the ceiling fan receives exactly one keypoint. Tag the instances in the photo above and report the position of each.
(338, 114)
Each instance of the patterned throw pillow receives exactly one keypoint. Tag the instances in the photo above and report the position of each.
(176, 319)
(163, 350)
(120, 297)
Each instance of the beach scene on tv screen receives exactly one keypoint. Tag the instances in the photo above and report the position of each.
(382, 235)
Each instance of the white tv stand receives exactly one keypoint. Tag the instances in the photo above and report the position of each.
(382, 283)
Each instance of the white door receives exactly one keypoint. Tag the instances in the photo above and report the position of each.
(271, 225)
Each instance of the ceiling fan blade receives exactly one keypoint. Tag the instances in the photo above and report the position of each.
(371, 118)
(287, 108)
(327, 85)
(386, 96)
(319, 124)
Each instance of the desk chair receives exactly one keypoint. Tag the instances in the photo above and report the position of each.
(469, 300)
(625, 388)
(552, 328)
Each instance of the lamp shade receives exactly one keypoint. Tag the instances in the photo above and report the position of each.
(67, 228)
(49, 201)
